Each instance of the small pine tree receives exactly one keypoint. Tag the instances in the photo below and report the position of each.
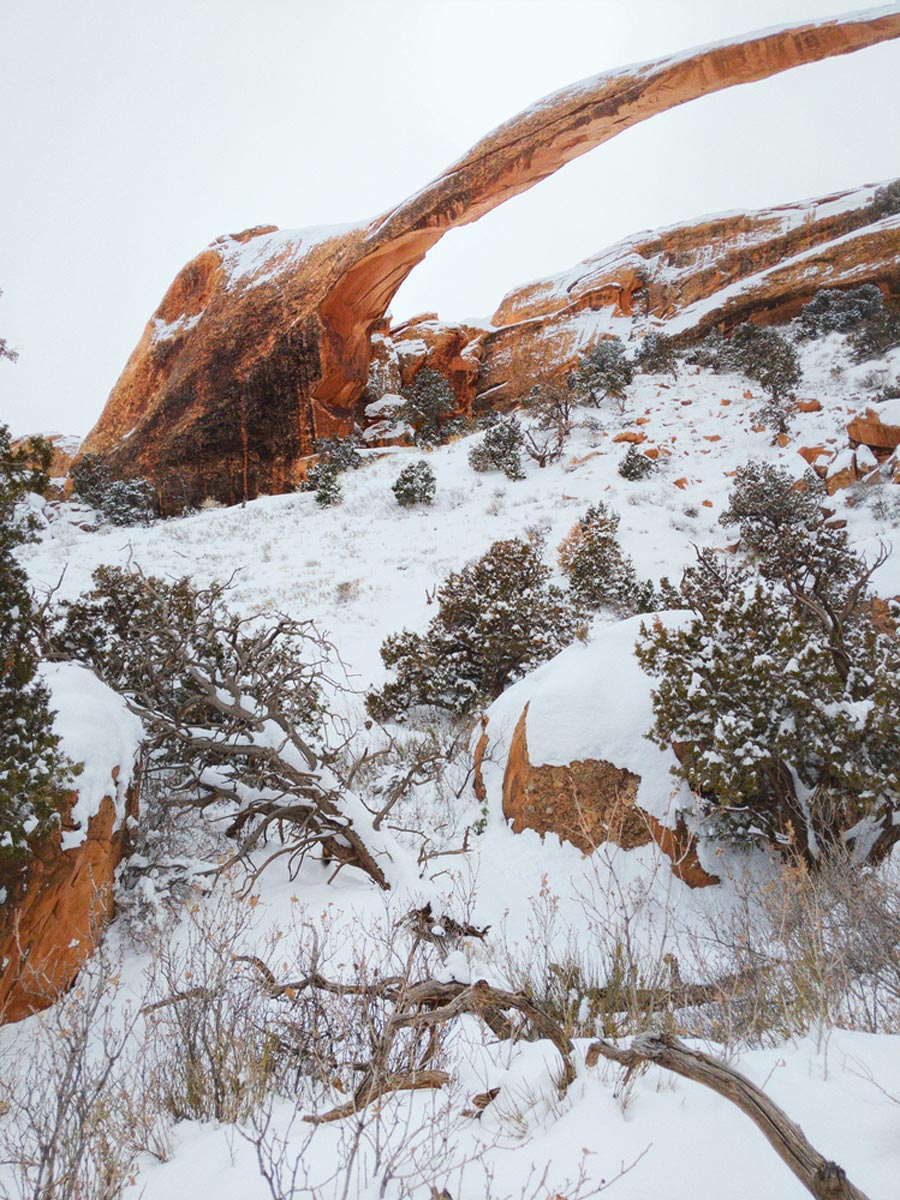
(501, 449)
(782, 695)
(635, 466)
(415, 484)
(874, 337)
(336, 455)
(605, 373)
(656, 355)
(600, 575)
(766, 356)
(886, 201)
(497, 619)
(119, 501)
(428, 406)
(33, 772)
(324, 479)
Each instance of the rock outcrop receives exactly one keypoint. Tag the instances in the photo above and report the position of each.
(52, 917)
(590, 802)
(66, 901)
(263, 341)
(716, 272)
(563, 752)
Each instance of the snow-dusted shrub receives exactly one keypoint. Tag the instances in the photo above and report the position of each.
(415, 484)
(551, 403)
(760, 353)
(119, 501)
(766, 356)
(501, 449)
(323, 480)
(781, 693)
(839, 309)
(711, 353)
(605, 372)
(335, 455)
(875, 336)
(428, 406)
(656, 355)
(497, 618)
(600, 575)
(635, 466)
(233, 707)
(32, 770)
(886, 201)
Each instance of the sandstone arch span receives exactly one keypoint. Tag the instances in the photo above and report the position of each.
(263, 341)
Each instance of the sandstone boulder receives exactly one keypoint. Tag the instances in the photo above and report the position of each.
(568, 756)
(51, 920)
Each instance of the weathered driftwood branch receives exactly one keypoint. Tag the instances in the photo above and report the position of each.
(373, 1088)
(424, 1006)
(823, 1179)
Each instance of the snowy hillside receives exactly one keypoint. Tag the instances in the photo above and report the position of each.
(365, 569)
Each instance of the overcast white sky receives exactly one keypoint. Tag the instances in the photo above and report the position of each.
(136, 131)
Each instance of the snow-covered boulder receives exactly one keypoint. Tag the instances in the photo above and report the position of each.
(52, 922)
(564, 752)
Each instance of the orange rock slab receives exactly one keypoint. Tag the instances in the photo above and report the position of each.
(588, 803)
(52, 925)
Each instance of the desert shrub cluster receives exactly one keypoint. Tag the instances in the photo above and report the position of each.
(781, 691)
(119, 501)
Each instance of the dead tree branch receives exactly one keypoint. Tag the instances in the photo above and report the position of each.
(823, 1179)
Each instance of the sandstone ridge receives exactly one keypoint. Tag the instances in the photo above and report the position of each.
(263, 341)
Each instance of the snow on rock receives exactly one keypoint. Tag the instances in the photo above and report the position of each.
(593, 702)
(97, 730)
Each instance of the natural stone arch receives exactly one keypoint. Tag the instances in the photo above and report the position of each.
(227, 401)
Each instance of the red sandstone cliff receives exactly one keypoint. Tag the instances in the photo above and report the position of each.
(264, 340)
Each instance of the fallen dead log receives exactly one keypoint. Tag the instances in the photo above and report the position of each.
(822, 1178)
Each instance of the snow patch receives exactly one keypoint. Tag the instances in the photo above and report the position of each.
(96, 729)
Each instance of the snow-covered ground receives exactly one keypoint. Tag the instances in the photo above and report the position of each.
(363, 570)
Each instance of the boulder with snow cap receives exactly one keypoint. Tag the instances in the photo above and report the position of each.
(52, 919)
(563, 752)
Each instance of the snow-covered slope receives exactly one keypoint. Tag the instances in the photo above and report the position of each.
(363, 570)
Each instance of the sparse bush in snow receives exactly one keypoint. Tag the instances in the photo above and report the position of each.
(500, 449)
(635, 466)
(876, 335)
(839, 309)
(119, 501)
(497, 618)
(600, 575)
(760, 353)
(766, 356)
(428, 406)
(656, 355)
(551, 404)
(773, 415)
(336, 455)
(886, 201)
(415, 484)
(33, 773)
(711, 353)
(605, 373)
(782, 694)
(233, 707)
